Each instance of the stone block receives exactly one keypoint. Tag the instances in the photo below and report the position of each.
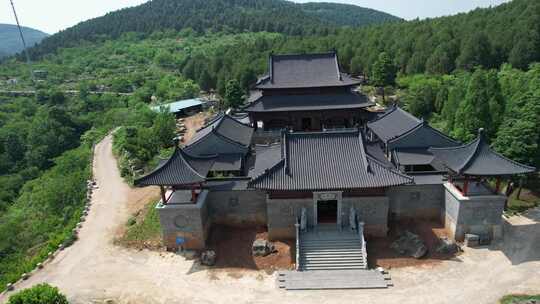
(472, 240)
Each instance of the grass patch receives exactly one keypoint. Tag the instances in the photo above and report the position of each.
(143, 230)
(529, 199)
(519, 299)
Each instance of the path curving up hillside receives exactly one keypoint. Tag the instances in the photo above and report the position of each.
(94, 269)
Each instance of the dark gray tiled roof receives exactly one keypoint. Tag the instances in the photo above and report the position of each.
(227, 162)
(266, 156)
(284, 103)
(326, 161)
(477, 158)
(394, 123)
(305, 71)
(422, 136)
(225, 126)
(228, 184)
(374, 149)
(413, 156)
(180, 169)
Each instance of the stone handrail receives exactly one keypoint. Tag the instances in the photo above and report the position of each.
(297, 226)
(363, 241)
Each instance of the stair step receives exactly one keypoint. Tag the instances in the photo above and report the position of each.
(333, 249)
(336, 242)
(333, 267)
(336, 258)
(325, 245)
(332, 254)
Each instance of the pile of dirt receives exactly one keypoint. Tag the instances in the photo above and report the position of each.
(233, 248)
(381, 254)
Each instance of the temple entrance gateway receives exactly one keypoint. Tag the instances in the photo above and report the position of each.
(327, 211)
(327, 208)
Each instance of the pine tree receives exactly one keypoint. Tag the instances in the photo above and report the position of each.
(383, 72)
(473, 112)
(205, 81)
(233, 94)
(496, 101)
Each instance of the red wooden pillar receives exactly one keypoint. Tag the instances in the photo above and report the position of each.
(466, 186)
(163, 198)
(498, 187)
(193, 194)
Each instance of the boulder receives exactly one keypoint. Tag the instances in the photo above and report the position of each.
(410, 244)
(262, 247)
(447, 246)
(208, 258)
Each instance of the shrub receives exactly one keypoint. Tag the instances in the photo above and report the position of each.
(39, 294)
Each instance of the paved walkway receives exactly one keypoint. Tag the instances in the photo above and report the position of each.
(93, 269)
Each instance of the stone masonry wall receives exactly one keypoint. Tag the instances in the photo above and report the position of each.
(475, 214)
(373, 211)
(237, 208)
(189, 221)
(282, 214)
(423, 202)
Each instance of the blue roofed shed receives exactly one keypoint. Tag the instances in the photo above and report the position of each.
(182, 106)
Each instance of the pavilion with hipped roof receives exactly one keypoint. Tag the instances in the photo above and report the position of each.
(180, 172)
(474, 161)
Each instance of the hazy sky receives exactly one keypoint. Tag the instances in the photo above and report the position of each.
(53, 15)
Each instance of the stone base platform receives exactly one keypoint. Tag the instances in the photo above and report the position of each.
(333, 279)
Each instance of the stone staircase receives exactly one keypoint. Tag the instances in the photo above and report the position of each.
(327, 248)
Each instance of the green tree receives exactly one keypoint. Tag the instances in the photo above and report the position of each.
(383, 72)
(476, 51)
(496, 101)
(164, 128)
(519, 135)
(233, 94)
(473, 112)
(39, 294)
(205, 81)
(164, 58)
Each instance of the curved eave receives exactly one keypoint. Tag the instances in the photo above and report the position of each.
(195, 178)
(419, 127)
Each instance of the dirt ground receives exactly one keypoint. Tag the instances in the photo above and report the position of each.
(94, 270)
(380, 253)
(194, 123)
(233, 250)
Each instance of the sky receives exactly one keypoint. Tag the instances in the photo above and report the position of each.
(52, 16)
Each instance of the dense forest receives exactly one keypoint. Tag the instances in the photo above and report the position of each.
(460, 72)
(216, 15)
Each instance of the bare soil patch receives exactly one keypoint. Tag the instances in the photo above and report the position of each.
(380, 253)
(194, 123)
(233, 249)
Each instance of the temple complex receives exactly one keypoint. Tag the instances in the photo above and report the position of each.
(332, 175)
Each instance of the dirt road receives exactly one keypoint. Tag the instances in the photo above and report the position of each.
(94, 270)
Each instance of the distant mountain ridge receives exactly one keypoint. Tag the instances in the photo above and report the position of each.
(11, 40)
(201, 15)
(347, 14)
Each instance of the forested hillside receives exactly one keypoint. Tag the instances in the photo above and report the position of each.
(217, 15)
(347, 15)
(11, 41)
